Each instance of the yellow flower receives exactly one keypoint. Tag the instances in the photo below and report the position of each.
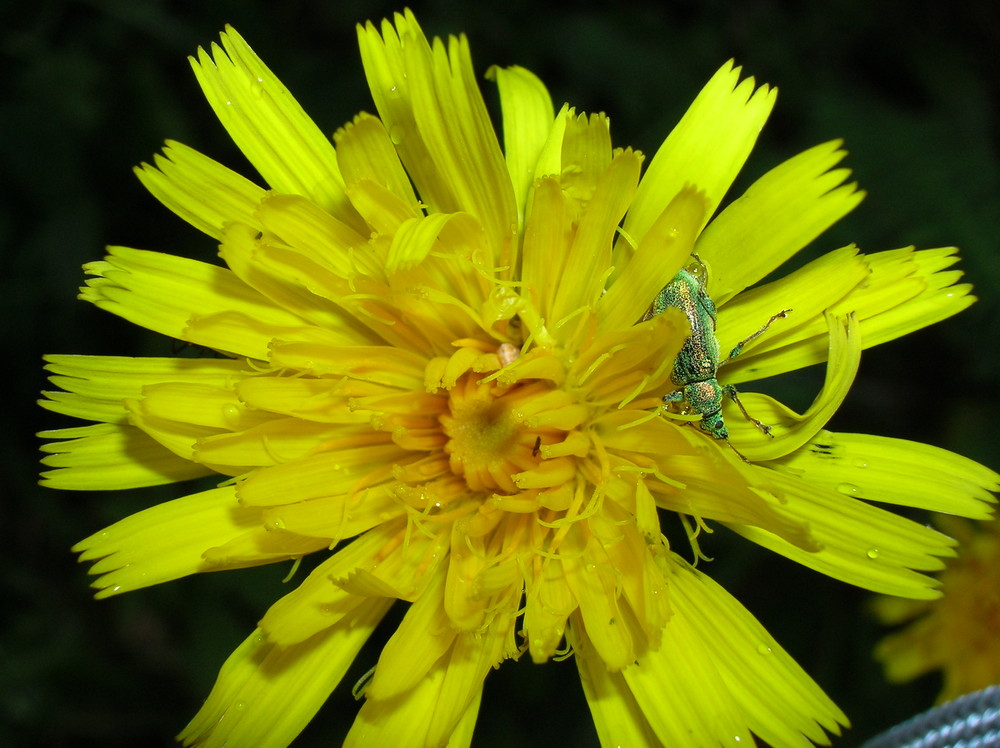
(958, 633)
(435, 364)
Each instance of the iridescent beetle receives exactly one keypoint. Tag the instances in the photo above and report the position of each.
(697, 364)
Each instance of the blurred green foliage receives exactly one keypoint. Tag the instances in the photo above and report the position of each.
(91, 88)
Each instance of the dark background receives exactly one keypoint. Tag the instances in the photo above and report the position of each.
(89, 89)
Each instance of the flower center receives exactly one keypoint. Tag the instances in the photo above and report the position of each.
(489, 440)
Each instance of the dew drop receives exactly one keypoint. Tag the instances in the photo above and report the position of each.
(862, 464)
(240, 706)
(872, 553)
(849, 488)
(763, 649)
(396, 133)
(275, 524)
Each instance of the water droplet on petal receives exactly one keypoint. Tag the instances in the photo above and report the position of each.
(763, 649)
(849, 488)
(231, 414)
(873, 553)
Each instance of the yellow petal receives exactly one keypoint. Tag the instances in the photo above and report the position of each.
(382, 210)
(789, 430)
(201, 191)
(465, 606)
(548, 604)
(859, 544)
(269, 126)
(547, 238)
(315, 476)
(461, 736)
(421, 639)
(550, 158)
(337, 517)
(778, 701)
(800, 338)
(436, 705)
(583, 279)
(266, 695)
(706, 149)
(431, 105)
(593, 582)
(273, 442)
(586, 155)
(638, 560)
(528, 115)
(905, 290)
(664, 250)
(318, 601)
(895, 471)
(81, 406)
(365, 152)
(200, 405)
(325, 240)
(165, 541)
(237, 334)
(264, 544)
(380, 364)
(680, 689)
(289, 280)
(111, 457)
(778, 215)
(104, 381)
(179, 437)
(909, 289)
(618, 718)
(161, 292)
(726, 492)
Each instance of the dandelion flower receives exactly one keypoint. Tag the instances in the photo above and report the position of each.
(437, 370)
(958, 633)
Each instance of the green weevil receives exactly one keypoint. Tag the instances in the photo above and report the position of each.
(695, 372)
